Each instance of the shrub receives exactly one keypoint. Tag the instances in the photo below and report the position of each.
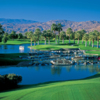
(9, 81)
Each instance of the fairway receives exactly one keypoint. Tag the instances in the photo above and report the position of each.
(86, 89)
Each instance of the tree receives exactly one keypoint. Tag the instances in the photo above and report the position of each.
(29, 35)
(69, 32)
(82, 34)
(86, 37)
(34, 38)
(13, 34)
(74, 36)
(59, 28)
(44, 34)
(97, 37)
(92, 37)
(1, 30)
(38, 33)
(54, 29)
(20, 36)
(77, 35)
(6, 34)
(4, 39)
(62, 35)
(26, 33)
(49, 34)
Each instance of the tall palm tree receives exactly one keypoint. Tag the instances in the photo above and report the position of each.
(44, 34)
(29, 35)
(59, 28)
(49, 34)
(82, 34)
(26, 33)
(62, 35)
(92, 37)
(86, 37)
(97, 37)
(34, 38)
(69, 32)
(77, 35)
(38, 33)
(74, 36)
(54, 29)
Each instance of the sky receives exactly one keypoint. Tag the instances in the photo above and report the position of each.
(46, 10)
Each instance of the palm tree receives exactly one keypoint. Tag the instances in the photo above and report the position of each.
(29, 35)
(26, 33)
(54, 29)
(86, 37)
(38, 33)
(74, 36)
(82, 34)
(34, 38)
(69, 32)
(49, 34)
(62, 35)
(97, 36)
(92, 37)
(59, 28)
(77, 35)
(44, 34)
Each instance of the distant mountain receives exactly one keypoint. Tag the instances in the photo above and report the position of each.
(21, 25)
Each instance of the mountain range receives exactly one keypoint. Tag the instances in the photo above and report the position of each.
(22, 25)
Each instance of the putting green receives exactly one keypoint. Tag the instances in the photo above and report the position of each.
(86, 89)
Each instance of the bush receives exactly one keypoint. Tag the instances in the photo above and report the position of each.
(9, 81)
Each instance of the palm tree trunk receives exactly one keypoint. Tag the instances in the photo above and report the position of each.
(48, 40)
(69, 38)
(82, 41)
(31, 42)
(98, 43)
(62, 40)
(58, 37)
(38, 40)
(93, 43)
(74, 40)
(45, 41)
(78, 41)
(86, 43)
(89, 42)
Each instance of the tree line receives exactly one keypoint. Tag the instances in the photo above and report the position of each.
(56, 33)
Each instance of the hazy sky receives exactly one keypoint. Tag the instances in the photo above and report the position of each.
(45, 10)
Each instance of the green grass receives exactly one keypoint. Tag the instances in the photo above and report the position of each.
(24, 41)
(8, 59)
(86, 89)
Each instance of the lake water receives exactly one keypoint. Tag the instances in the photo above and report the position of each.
(39, 74)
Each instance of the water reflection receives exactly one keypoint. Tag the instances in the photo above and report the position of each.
(38, 74)
(5, 46)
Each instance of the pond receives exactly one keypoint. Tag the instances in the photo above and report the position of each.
(40, 74)
(14, 48)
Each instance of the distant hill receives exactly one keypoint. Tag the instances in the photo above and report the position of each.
(21, 25)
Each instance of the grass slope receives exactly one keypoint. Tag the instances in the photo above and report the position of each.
(86, 89)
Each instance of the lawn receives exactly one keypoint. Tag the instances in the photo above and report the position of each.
(86, 89)
(88, 49)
